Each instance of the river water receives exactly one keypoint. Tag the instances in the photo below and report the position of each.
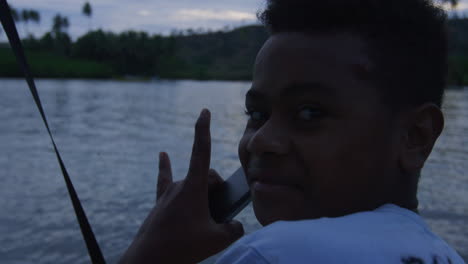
(109, 134)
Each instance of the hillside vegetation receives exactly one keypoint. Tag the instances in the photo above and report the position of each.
(222, 55)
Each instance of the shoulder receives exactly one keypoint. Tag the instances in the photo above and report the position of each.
(355, 229)
(386, 235)
(325, 240)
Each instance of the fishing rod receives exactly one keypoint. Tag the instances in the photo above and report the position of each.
(8, 23)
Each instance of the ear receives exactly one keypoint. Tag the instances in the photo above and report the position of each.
(422, 126)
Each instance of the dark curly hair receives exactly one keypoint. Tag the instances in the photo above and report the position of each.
(407, 40)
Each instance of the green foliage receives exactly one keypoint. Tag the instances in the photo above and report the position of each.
(59, 43)
(458, 50)
(191, 54)
(129, 53)
(458, 73)
(45, 64)
(8, 65)
(216, 55)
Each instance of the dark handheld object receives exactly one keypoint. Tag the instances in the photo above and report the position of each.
(230, 198)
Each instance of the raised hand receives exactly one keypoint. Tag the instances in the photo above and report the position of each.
(179, 229)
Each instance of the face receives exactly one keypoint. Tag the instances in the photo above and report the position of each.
(319, 140)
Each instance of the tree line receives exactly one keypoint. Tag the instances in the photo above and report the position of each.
(189, 54)
(201, 55)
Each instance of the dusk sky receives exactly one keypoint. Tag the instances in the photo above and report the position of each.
(153, 16)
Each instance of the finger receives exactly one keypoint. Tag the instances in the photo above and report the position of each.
(201, 151)
(214, 179)
(165, 174)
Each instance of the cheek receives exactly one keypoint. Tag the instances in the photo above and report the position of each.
(342, 166)
(242, 149)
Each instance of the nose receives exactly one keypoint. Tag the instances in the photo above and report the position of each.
(269, 138)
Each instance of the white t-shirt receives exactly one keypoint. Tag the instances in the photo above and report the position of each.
(389, 234)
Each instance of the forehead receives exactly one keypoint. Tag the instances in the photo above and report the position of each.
(329, 64)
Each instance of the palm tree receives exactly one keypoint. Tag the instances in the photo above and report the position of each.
(25, 16)
(34, 16)
(88, 11)
(15, 14)
(59, 23)
(65, 23)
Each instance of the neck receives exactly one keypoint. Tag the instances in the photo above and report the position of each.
(406, 194)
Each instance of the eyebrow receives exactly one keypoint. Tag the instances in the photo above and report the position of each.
(294, 89)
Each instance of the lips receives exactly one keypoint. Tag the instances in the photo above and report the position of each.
(262, 177)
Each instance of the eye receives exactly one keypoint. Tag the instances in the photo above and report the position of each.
(256, 115)
(309, 113)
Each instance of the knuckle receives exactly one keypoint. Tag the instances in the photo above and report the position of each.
(163, 181)
(162, 178)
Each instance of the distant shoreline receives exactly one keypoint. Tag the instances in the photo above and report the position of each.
(123, 79)
(147, 79)
(50, 66)
(220, 55)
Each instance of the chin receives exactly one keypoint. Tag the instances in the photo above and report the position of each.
(265, 219)
(269, 214)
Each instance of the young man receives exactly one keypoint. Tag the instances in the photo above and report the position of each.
(344, 111)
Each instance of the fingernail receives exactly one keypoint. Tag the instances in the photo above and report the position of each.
(205, 113)
(161, 155)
